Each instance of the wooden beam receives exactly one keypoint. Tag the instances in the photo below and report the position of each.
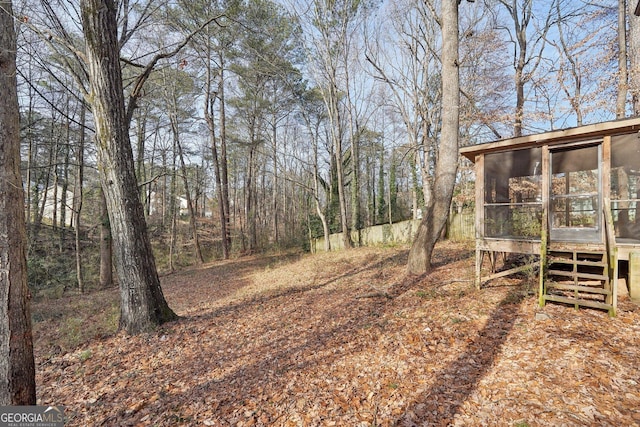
(479, 216)
(578, 302)
(479, 259)
(512, 271)
(542, 271)
(554, 137)
(509, 245)
(480, 196)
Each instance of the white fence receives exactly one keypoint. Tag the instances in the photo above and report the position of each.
(459, 227)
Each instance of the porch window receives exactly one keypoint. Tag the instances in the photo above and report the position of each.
(625, 187)
(513, 194)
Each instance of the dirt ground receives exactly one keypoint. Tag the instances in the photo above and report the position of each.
(342, 339)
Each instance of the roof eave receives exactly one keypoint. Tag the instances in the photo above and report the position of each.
(553, 137)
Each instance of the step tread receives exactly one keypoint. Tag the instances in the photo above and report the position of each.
(579, 252)
(579, 288)
(578, 275)
(582, 302)
(579, 262)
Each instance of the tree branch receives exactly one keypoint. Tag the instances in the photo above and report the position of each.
(142, 78)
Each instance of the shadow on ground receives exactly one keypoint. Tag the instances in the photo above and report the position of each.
(452, 386)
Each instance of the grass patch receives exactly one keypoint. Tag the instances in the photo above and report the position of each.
(64, 324)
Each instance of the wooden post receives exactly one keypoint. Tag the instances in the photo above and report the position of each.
(543, 260)
(479, 259)
(544, 226)
(634, 276)
(612, 253)
(479, 220)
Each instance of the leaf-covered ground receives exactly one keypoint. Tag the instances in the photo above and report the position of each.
(345, 339)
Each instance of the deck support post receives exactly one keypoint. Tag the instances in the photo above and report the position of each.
(479, 259)
(542, 271)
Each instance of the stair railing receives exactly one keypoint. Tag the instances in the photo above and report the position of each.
(543, 257)
(612, 254)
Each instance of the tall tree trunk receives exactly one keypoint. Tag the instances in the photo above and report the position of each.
(141, 133)
(344, 218)
(574, 96)
(447, 163)
(173, 236)
(336, 131)
(634, 58)
(249, 205)
(174, 209)
(64, 188)
(623, 74)
(106, 247)
(354, 136)
(224, 164)
(143, 306)
(316, 188)
(77, 197)
(30, 153)
(217, 171)
(187, 191)
(521, 34)
(17, 368)
(218, 160)
(274, 194)
(415, 188)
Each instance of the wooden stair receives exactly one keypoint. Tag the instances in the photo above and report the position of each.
(580, 275)
(580, 278)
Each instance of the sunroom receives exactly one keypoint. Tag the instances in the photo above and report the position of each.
(570, 198)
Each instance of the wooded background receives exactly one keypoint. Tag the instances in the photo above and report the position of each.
(263, 125)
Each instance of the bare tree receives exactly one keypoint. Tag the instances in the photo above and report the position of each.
(623, 72)
(447, 162)
(412, 72)
(527, 50)
(313, 114)
(142, 303)
(17, 368)
(77, 197)
(177, 87)
(331, 30)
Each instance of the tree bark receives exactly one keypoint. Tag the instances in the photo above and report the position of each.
(143, 306)
(447, 163)
(634, 59)
(623, 74)
(106, 247)
(77, 199)
(17, 368)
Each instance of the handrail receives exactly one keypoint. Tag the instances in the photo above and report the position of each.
(543, 256)
(612, 254)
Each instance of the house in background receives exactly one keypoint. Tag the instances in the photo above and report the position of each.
(571, 198)
(157, 204)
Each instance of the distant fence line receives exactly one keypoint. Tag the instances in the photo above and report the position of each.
(460, 227)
